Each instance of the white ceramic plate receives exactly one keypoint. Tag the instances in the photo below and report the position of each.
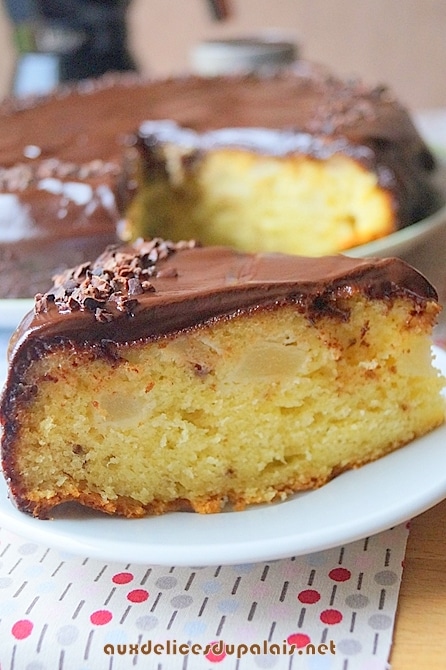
(12, 311)
(354, 505)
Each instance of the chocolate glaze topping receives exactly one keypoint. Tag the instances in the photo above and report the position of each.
(82, 131)
(95, 119)
(53, 148)
(155, 288)
(68, 160)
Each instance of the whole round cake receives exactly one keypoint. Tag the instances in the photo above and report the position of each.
(295, 160)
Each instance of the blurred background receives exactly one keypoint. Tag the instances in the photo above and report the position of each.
(398, 42)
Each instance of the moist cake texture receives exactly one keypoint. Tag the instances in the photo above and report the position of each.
(177, 377)
(297, 161)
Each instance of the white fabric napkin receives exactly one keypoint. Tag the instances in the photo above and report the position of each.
(332, 610)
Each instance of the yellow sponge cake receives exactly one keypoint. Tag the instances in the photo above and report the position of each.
(176, 377)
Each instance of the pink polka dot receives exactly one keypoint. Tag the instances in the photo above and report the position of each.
(309, 596)
(340, 574)
(122, 578)
(300, 640)
(22, 629)
(101, 617)
(215, 658)
(138, 595)
(331, 617)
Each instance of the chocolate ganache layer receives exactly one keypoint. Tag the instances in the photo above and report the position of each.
(84, 127)
(66, 159)
(152, 289)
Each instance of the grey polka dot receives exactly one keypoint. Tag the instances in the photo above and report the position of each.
(380, 621)
(357, 601)
(180, 602)
(147, 622)
(349, 647)
(228, 606)
(316, 559)
(67, 635)
(265, 661)
(5, 582)
(167, 582)
(243, 567)
(386, 577)
(211, 587)
(28, 548)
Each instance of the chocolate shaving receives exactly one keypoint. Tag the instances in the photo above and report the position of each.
(113, 282)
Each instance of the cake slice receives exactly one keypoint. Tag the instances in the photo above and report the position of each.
(170, 376)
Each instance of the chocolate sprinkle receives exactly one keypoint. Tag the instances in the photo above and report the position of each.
(116, 278)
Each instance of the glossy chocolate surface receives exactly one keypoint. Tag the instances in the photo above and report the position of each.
(53, 147)
(153, 289)
(95, 119)
(82, 131)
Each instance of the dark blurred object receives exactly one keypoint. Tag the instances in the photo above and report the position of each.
(219, 9)
(65, 40)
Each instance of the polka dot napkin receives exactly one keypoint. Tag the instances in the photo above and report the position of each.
(332, 610)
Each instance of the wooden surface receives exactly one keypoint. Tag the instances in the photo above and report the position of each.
(420, 631)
